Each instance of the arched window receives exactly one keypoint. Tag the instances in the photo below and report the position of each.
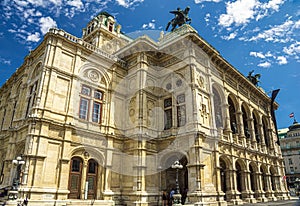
(218, 108)
(238, 176)
(273, 181)
(265, 130)
(75, 178)
(233, 124)
(223, 175)
(245, 122)
(264, 179)
(252, 178)
(255, 123)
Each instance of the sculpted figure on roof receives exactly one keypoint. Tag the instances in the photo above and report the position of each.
(181, 17)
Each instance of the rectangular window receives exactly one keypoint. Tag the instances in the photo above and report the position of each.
(96, 112)
(292, 169)
(98, 94)
(181, 115)
(168, 113)
(180, 99)
(168, 119)
(181, 110)
(290, 161)
(31, 98)
(90, 107)
(83, 110)
(168, 103)
(86, 90)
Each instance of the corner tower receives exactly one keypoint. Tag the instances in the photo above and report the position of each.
(104, 33)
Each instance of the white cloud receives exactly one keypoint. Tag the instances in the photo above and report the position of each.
(201, 1)
(46, 23)
(128, 3)
(207, 17)
(31, 13)
(21, 3)
(240, 12)
(150, 25)
(293, 49)
(75, 3)
(58, 2)
(265, 64)
(282, 60)
(5, 61)
(231, 36)
(273, 4)
(258, 54)
(38, 2)
(278, 33)
(34, 37)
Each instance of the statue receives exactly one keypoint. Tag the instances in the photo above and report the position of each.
(181, 17)
(253, 78)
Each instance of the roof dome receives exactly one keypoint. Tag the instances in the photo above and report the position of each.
(294, 126)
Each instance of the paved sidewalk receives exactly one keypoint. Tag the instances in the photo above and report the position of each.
(294, 201)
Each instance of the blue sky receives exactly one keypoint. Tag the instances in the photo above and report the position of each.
(259, 35)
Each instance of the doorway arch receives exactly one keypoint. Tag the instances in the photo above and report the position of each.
(168, 176)
(223, 174)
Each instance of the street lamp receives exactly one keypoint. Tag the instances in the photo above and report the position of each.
(297, 183)
(18, 162)
(177, 197)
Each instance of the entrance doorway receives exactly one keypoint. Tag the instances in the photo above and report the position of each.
(91, 178)
(168, 178)
(75, 178)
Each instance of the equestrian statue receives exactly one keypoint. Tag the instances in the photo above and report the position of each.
(181, 17)
(254, 78)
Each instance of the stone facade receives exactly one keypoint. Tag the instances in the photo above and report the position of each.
(290, 146)
(104, 117)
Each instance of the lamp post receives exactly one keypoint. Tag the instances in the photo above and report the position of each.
(297, 181)
(18, 162)
(177, 196)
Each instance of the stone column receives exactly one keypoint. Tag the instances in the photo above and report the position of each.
(107, 192)
(251, 130)
(83, 178)
(247, 193)
(261, 133)
(227, 129)
(232, 194)
(240, 126)
(270, 192)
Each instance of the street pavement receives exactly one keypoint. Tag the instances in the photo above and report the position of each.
(292, 202)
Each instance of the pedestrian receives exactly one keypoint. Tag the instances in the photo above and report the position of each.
(171, 196)
(184, 195)
(164, 199)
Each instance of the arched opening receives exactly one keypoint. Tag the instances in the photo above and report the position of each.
(252, 178)
(238, 176)
(273, 179)
(255, 123)
(75, 178)
(245, 122)
(168, 177)
(264, 179)
(217, 108)
(233, 123)
(223, 177)
(265, 130)
(91, 178)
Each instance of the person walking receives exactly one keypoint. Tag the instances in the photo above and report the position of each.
(164, 199)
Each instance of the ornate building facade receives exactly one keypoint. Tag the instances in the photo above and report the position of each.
(102, 118)
(290, 147)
